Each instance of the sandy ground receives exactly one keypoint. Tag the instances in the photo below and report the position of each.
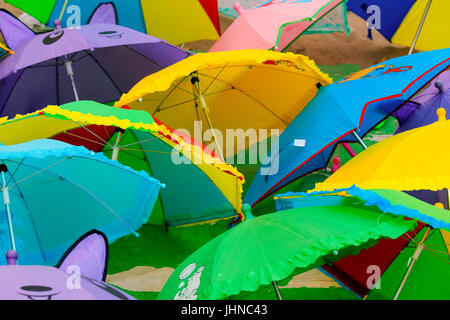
(144, 279)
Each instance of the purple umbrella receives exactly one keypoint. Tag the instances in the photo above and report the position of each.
(421, 111)
(96, 62)
(80, 275)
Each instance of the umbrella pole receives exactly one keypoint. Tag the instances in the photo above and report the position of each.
(198, 95)
(420, 27)
(70, 73)
(277, 290)
(6, 201)
(361, 142)
(415, 256)
(116, 148)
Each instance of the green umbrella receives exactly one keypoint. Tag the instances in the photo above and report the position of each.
(267, 249)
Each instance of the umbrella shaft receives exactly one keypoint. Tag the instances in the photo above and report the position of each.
(420, 27)
(277, 290)
(8, 212)
(361, 142)
(72, 80)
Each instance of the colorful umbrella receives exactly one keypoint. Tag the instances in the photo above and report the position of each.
(175, 21)
(88, 255)
(421, 110)
(5, 49)
(204, 186)
(97, 62)
(355, 272)
(243, 89)
(344, 112)
(53, 192)
(417, 24)
(411, 160)
(270, 248)
(276, 24)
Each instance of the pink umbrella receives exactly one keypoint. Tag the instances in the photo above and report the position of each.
(273, 24)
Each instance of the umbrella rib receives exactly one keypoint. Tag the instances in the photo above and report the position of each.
(106, 142)
(169, 93)
(174, 105)
(246, 94)
(143, 55)
(106, 73)
(437, 256)
(79, 187)
(138, 142)
(212, 81)
(83, 138)
(36, 173)
(15, 170)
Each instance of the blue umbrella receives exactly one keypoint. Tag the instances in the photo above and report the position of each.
(343, 112)
(53, 192)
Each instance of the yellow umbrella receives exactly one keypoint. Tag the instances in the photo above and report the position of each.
(242, 89)
(417, 159)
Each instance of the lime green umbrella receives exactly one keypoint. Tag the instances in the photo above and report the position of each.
(271, 248)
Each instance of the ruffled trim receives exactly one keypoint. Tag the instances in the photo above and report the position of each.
(321, 252)
(43, 148)
(197, 155)
(162, 80)
(405, 184)
(371, 198)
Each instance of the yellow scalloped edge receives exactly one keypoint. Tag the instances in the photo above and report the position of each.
(162, 80)
(197, 153)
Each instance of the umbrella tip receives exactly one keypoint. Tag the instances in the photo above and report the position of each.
(439, 205)
(57, 24)
(11, 258)
(237, 6)
(247, 211)
(441, 113)
(439, 85)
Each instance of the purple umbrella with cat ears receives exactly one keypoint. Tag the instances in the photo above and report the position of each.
(96, 62)
(80, 275)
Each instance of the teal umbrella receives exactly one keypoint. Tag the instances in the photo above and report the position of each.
(54, 192)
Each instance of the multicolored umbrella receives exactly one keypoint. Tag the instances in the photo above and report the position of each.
(235, 90)
(203, 185)
(417, 24)
(94, 62)
(267, 249)
(53, 192)
(88, 256)
(411, 160)
(276, 24)
(162, 19)
(389, 256)
(5, 50)
(344, 112)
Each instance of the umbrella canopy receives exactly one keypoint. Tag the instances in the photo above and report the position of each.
(53, 192)
(276, 246)
(276, 24)
(344, 112)
(401, 21)
(411, 160)
(243, 89)
(89, 254)
(167, 20)
(427, 281)
(96, 62)
(205, 187)
(421, 110)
